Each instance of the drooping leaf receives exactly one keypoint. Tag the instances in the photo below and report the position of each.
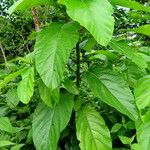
(130, 4)
(27, 4)
(142, 92)
(143, 130)
(49, 97)
(113, 90)
(52, 49)
(25, 87)
(92, 131)
(5, 143)
(17, 147)
(145, 29)
(129, 52)
(5, 125)
(12, 98)
(95, 16)
(70, 86)
(48, 123)
(10, 77)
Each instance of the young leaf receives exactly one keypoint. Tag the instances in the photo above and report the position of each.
(130, 4)
(52, 49)
(95, 16)
(5, 125)
(142, 92)
(88, 44)
(48, 123)
(123, 48)
(49, 97)
(25, 87)
(113, 90)
(125, 140)
(27, 4)
(92, 132)
(145, 29)
(116, 127)
(70, 86)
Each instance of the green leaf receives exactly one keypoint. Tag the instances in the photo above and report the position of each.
(143, 132)
(116, 127)
(136, 147)
(25, 87)
(52, 49)
(113, 90)
(88, 44)
(92, 131)
(142, 92)
(130, 4)
(17, 147)
(125, 140)
(70, 86)
(145, 29)
(12, 99)
(49, 97)
(95, 16)
(3, 110)
(10, 77)
(48, 123)
(5, 125)
(23, 5)
(6, 143)
(129, 52)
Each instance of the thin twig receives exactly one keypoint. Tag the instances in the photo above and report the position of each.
(3, 53)
(35, 18)
(78, 65)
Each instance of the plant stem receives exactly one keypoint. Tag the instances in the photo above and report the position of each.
(78, 65)
(3, 53)
(36, 20)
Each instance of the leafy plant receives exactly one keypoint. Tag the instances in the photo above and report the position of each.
(85, 84)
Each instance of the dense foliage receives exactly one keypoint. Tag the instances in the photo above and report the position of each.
(79, 80)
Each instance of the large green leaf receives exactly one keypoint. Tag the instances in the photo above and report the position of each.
(52, 49)
(142, 92)
(145, 29)
(122, 48)
(25, 87)
(27, 4)
(49, 122)
(49, 97)
(130, 4)
(143, 132)
(113, 90)
(94, 15)
(92, 132)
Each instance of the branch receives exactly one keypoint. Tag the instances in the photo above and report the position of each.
(3, 53)
(78, 65)
(35, 18)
